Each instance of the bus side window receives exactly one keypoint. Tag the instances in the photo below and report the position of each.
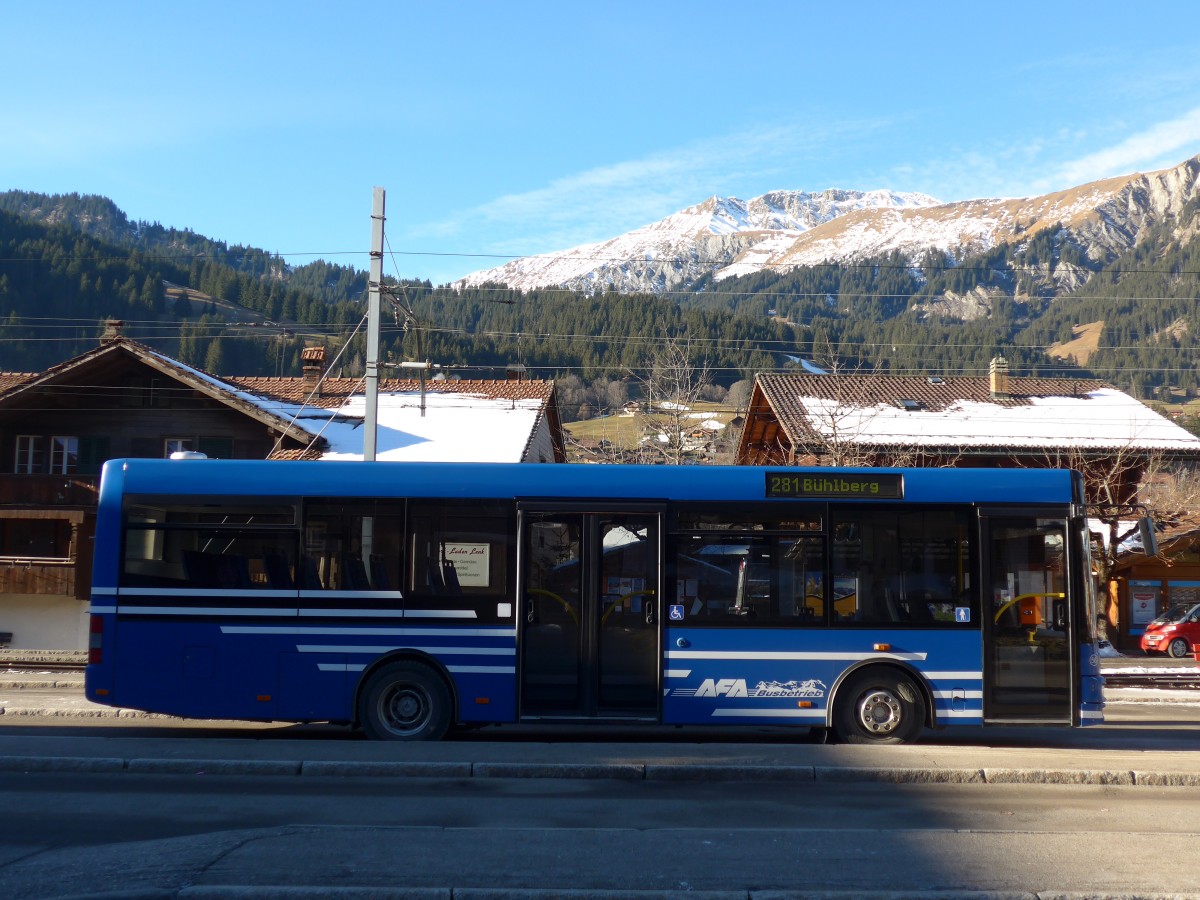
(352, 545)
(903, 567)
(752, 580)
(185, 544)
(460, 557)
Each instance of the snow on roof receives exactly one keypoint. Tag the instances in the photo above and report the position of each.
(456, 426)
(1104, 417)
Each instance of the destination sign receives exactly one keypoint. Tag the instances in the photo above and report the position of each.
(831, 485)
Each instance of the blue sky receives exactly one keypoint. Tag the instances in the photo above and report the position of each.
(507, 129)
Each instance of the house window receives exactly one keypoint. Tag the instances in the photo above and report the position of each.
(215, 447)
(64, 455)
(29, 455)
(35, 538)
(177, 445)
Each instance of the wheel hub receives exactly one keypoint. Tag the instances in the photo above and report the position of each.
(405, 709)
(880, 712)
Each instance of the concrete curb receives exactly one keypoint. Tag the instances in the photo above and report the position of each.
(267, 892)
(622, 771)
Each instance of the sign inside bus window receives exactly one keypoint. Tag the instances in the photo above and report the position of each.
(471, 562)
(881, 486)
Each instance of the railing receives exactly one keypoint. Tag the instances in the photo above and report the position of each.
(19, 576)
(48, 490)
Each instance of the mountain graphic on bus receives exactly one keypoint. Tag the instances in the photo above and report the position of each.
(811, 687)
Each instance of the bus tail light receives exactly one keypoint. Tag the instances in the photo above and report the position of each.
(95, 640)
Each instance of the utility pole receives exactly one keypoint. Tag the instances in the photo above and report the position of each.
(374, 287)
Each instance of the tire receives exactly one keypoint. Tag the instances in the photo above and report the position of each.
(1178, 648)
(879, 707)
(405, 701)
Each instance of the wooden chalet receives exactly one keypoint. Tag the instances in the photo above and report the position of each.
(125, 399)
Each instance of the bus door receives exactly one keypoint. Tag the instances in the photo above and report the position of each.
(1027, 660)
(590, 593)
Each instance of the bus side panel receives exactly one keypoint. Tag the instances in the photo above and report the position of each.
(276, 671)
(485, 696)
(1091, 686)
(726, 676)
(192, 669)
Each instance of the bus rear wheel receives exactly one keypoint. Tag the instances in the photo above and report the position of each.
(405, 701)
(879, 707)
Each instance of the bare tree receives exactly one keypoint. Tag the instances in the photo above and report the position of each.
(671, 386)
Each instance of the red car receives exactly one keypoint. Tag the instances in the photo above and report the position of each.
(1174, 633)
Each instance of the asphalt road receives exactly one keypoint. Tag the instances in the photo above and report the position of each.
(157, 807)
(204, 834)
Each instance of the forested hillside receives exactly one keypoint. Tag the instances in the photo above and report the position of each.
(67, 263)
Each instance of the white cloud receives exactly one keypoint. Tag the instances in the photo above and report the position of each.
(1159, 146)
(598, 203)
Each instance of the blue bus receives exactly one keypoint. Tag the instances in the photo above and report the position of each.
(405, 599)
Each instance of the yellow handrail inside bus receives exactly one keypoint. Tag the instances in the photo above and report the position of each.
(1059, 595)
(553, 596)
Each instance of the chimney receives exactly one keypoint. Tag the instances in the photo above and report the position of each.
(514, 372)
(112, 331)
(998, 376)
(313, 359)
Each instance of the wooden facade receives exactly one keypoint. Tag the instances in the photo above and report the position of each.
(58, 427)
(122, 400)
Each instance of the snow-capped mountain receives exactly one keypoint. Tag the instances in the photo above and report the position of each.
(692, 242)
(784, 229)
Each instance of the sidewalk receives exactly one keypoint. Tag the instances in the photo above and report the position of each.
(654, 753)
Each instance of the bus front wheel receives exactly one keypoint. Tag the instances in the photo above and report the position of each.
(879, 707)
(405, 701)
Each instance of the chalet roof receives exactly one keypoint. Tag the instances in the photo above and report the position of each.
(457, 420)
(17, 388)
(472, 420)
(9, 380)
(336, 391)
(959, 413)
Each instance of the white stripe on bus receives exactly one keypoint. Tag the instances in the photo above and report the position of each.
(771, 713)
(223, 593)
(964, 676)
(309, 594)
(273, 611)
(781, 654)
(352, 648)
(502, 631)
(344, 613)
(465, 670)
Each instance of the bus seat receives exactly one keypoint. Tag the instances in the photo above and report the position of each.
(450, 579)
(380, 580)
(354, 573)
(433, 577)
(310, 578)
(232, 570)
(279, 570)
(198, 569)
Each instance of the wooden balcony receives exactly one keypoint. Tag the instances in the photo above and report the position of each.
(49, 490)
(33, 576)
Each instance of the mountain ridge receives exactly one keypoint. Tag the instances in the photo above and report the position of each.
(783, 230)
(688, 244)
